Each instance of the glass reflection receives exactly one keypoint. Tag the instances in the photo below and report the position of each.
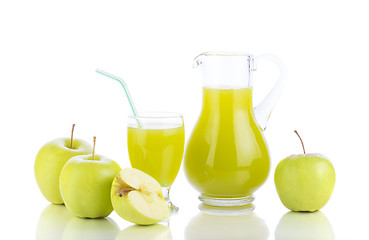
(301, 226)
(217, 223)
(136, 232)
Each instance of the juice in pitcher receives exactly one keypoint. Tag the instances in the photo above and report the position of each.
(227, 155)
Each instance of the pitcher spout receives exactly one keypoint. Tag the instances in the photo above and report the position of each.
(198, 60)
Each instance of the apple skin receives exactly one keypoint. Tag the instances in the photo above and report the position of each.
(85, 185)
(128, 211)
(50, 161)
(305, 182)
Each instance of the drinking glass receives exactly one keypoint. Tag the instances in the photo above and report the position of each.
(155, 146)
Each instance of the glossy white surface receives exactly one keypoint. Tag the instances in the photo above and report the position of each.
(49, 51)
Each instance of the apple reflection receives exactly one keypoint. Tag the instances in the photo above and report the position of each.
(223, 225)
(303, 226)
(57, 223)
(99, 229)
(152, 232)
(52, 222)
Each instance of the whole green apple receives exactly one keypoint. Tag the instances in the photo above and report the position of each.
(50, 161)
(85, 183)
(304, 182)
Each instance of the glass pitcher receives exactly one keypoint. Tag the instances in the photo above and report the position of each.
(227, 157)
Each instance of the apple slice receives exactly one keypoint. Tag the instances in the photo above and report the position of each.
(137, 197)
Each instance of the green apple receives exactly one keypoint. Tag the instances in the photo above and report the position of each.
(90, 229)
(137, 197)
(85, 183)
(52, 222)
(304, 226)
(50, 161)
(304, 182)
(152, 232)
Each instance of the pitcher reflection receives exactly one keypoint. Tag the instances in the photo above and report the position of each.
(301, 226)
(226, 226)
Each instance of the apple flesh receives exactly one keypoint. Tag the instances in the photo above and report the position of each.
(304, 182)
(50, 161)
(137, 197)
(85, 183)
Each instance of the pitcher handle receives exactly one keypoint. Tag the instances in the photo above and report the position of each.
(265, 107)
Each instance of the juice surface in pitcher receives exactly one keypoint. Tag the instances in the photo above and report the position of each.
(227, 155)
(157, 152)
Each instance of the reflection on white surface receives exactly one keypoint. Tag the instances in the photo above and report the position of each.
(56, 222)
(99, 229)
(301, 226)
(52, 222)
(152, 232)
(226, 226)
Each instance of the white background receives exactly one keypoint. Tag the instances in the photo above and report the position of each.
(49, 51)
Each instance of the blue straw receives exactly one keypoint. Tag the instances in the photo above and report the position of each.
(124, 85)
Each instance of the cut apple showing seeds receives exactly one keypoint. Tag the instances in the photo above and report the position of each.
(137, 197)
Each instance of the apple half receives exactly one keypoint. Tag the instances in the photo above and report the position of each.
(137, 197)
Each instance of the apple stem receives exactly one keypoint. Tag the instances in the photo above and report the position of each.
(71, 137)
(93, 149)
(302, 143)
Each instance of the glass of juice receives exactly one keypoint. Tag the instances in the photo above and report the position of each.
(155, 146)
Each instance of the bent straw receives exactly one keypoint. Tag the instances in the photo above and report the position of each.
(124, 85)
